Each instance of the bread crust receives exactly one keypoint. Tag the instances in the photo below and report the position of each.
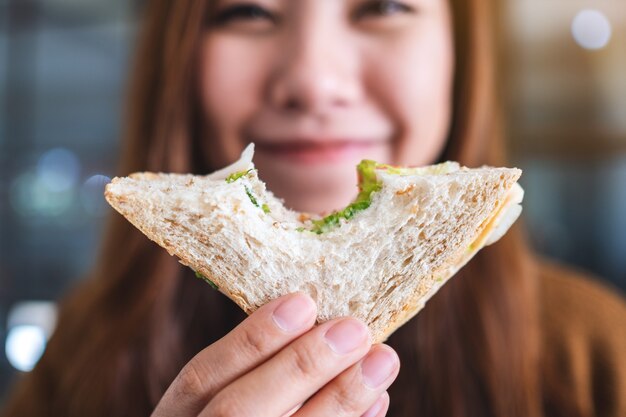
(380, 266)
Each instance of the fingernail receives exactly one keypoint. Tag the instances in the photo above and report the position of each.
(378, 366)
(375, 409)
(346, 335)
(294, 313)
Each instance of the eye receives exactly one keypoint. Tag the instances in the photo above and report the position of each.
(243, 14)
(381, 8)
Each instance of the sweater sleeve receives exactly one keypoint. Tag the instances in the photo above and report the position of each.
(584, 345)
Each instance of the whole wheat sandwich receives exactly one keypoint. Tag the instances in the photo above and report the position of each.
(380, 259)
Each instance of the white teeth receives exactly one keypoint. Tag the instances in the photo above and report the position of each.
(244, 163)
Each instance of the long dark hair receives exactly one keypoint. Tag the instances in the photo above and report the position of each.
(127, 331)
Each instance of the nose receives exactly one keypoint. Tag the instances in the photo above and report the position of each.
(316, 71)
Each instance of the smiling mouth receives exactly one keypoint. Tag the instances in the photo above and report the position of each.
(310, 152)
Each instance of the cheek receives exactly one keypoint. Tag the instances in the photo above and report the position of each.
(230, 93)
(417, 76)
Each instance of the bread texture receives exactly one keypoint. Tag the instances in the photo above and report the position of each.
(380, 266)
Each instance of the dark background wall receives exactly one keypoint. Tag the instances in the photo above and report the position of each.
(63, 67)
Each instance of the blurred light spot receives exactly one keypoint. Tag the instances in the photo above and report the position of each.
(591, 29)
(24, 346)
(58, 169)
(31, 196)
(30, 324)
(40, 313)
(92, 195)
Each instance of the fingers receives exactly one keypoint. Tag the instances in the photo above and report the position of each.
(295, 373)
(358, 390)
(380, 407)
(253, 342)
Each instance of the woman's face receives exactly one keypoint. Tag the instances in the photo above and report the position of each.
(319, 85)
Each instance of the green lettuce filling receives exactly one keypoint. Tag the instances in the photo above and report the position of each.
(368, 184)
(264, 207)
(235, 176)
(205, 279)
(252, 197)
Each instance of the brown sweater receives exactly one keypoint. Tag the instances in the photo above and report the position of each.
(584, 343)
(583, 352)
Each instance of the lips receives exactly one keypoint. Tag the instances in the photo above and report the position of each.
(318, 151)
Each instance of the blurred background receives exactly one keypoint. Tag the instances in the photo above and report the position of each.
(63, 68)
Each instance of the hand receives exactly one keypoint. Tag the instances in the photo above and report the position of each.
(276, 359)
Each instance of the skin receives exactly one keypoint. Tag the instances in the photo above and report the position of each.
(328, 71)
(318, 85)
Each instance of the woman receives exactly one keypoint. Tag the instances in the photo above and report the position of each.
(318, 85)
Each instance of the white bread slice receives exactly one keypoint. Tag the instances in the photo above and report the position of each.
(380, 266)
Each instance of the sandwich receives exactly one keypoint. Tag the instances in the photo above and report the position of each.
(407, 232)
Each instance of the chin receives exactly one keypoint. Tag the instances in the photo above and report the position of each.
(317, 200)
(320, 205)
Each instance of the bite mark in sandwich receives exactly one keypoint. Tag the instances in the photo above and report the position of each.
(406, 233)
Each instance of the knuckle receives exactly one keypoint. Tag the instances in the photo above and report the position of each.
(189, 382)
(227, 404)
(346, 398)
(255, 341)
(305, 361)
